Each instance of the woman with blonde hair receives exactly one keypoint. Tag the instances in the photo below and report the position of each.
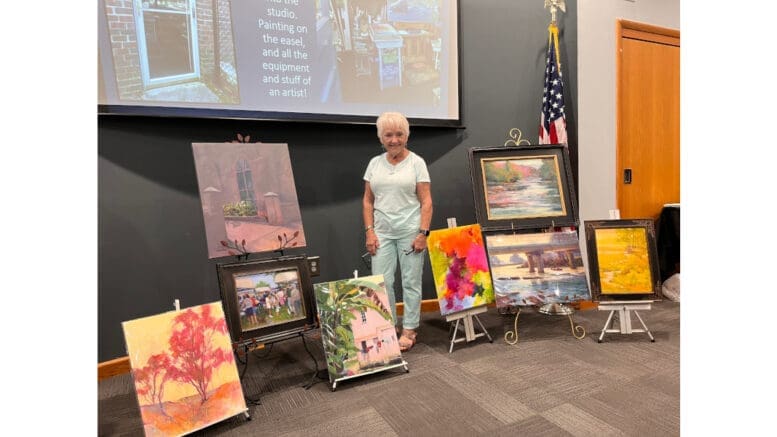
(397, 210)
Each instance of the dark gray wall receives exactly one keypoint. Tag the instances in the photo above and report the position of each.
(151, 235)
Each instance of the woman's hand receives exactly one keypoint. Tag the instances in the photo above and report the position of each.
(372, 242)
(419, 244)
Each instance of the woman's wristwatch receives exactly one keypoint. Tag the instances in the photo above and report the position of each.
(424, 231)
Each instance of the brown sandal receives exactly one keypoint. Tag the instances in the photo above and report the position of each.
(407, 340)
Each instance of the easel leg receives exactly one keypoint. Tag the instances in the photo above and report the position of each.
(315, 363)
(469, 329)
(453, 338)
(575, 328)
(514, 333)
(483, 328)
(653, 340)
(606, 324)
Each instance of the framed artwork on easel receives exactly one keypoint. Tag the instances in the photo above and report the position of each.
(523, 187)
(623, 260)
(267, 299)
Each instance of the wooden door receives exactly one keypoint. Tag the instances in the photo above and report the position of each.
(648, 125)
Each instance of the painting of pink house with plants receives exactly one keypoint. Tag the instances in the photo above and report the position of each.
(374, 336)
(357, 327)
(249, 199)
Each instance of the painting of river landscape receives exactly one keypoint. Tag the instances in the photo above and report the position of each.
(523, 187)
(534, 269)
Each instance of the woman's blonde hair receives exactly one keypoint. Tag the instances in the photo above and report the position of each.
(393, 119)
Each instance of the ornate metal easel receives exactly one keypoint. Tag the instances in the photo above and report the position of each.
(515, 138)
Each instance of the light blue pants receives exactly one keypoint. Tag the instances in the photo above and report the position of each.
(411, 267)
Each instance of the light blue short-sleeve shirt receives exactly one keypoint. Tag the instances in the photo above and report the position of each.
(397, 210)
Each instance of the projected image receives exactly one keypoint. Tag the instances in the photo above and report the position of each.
(279, 59)
(390, 49)
(172, 51)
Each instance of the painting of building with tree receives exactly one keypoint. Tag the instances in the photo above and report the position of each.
(249, 198)
(357, 327)
(184, 370)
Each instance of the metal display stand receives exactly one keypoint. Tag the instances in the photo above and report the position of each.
(624, 310)
(553, 309)
(252, 345)
(393, 366)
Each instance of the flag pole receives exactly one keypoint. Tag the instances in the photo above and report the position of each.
(552, 119)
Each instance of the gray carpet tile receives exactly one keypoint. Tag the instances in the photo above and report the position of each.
(536, 426)
(503, 407)
(548, 384)
(580, 423)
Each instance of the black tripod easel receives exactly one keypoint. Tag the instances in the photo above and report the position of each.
(252, 345)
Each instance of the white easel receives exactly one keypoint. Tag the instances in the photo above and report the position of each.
(467, 316)
(624, 309)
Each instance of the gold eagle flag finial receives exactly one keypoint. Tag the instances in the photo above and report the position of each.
(554, 6)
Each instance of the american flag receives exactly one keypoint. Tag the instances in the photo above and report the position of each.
(553, 122)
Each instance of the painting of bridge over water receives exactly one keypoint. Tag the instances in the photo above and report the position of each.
(536, 268)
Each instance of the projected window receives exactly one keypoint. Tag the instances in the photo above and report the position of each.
(168, 47)
(245, 183)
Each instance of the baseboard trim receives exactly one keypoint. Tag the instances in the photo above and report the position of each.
(121, 365)
(118, 366)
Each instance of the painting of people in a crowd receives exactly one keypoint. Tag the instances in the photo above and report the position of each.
(269, 298)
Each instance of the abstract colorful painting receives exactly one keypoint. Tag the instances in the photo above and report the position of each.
(460, 268)
(534, 269)
(184, 370)
(248, 196)
(357, 327)
(523, 187)
(623, 259)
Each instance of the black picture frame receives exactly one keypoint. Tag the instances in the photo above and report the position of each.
(294, 273)
(608, 248)
(501, 175)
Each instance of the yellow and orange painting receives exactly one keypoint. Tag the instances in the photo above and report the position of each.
(624, 265)
(184, 370)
